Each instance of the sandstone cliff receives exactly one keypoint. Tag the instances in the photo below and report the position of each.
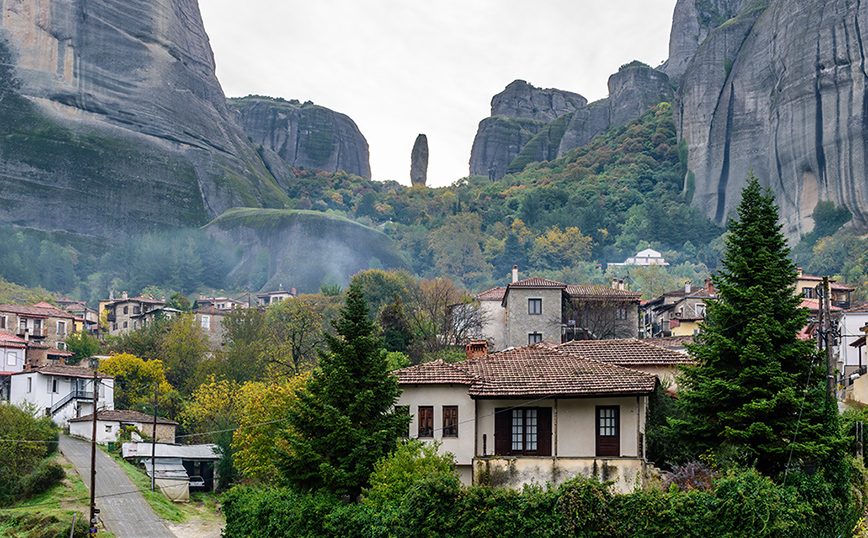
(113, 121)
(305, 135)
(780, 90)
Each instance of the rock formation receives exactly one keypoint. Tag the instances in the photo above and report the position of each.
(113, 122)
(518, 113)
(780, 91)
(530, 125)
(305, 135)
(419, 161)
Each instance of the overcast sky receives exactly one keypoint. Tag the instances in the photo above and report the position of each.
(399, 68)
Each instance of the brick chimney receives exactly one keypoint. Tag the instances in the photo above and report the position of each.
(476, 349)
(709, 286)
(514, 274)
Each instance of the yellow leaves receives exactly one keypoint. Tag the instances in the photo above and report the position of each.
(135, 378)
(556, 248)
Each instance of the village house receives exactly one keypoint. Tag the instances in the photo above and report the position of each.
(532, 414)
(220, 303)
(130, 313)
(268, 297)
(111, 423)
(644, 258)
(62, 392)
(678, 312)
(809, 286)
(539, 310)
(42, 323)
(12, 359)
(210, 320)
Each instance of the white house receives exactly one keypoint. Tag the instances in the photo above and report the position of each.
(63, 392)
(110, 424)
(851, 360)
(646, 257)
(532, 414)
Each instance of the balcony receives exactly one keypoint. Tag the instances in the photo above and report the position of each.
(38, 332)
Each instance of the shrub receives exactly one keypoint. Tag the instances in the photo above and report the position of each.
(411, 462)
(43, 478)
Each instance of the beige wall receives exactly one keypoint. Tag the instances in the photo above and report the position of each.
(438, 396)
(572, 424)
(494, 324)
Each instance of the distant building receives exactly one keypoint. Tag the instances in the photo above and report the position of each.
(645, 258)
(62, 392)
(110, 424)
(677, 312)
(268, 297)
(130, 313)
(221, 303)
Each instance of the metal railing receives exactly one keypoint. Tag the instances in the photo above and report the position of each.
(74, 395)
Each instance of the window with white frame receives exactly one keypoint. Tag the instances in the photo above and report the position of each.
(700, 310)
(2, 322)
(61, 328)
(206, 323)
(61, 345)
(11, 358)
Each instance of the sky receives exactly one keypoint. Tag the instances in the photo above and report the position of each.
(400, 68)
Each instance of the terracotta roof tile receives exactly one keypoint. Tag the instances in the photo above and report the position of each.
(536, 282)
(10, 340)
(669, 342)
(494, 294)
(539, 371)
(625, 352)
(46, 310)
(601, 293)
(67, 370)
(436, 372)
(121, 415)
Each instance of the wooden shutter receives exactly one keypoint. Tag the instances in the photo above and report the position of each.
(544, 431)
(502, 431)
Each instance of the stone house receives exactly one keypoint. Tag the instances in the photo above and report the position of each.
(210, 320)
(532, 414)
(42, 323)
(110, 424)
(807, 285)
(130, 313)
(677, 312)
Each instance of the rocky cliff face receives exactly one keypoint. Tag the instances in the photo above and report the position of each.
(113, 121)
(305, 135)
(518, 113)
(530, 125)
(780, 90)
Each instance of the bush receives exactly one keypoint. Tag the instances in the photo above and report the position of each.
(411, 462)
(43, 478)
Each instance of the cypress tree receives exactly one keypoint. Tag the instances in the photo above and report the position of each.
(344, 420)
(744, 398)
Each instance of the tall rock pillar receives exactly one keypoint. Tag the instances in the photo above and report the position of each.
(419, 161)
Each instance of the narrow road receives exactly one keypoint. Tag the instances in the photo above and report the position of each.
(123, 509)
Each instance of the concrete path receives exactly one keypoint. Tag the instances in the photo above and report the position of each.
(123, 509)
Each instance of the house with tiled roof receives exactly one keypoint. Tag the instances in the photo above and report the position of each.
(130, 313)
(532, 414)
(111, 423)
(43, 325)
(12, 359)
(634, 354)
(809, 285)
(677, 312)
(60, 391)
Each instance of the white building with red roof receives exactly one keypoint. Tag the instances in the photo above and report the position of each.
(532, 414)
(61, 391)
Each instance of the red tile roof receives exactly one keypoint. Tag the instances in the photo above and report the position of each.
(68, 371)
(532, 371)
(121, 415)
(10, 340)
(601, 293)
(39, 310)
(625, 352)
(862, 308)
(148, 300)
(669, 342)
(536, 282)
(814, 304)
(494, 294)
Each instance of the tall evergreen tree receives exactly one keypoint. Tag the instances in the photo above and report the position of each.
(745, 396)
(344, 420)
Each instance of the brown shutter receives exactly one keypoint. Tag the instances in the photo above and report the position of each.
(544, 429)
(502, 431)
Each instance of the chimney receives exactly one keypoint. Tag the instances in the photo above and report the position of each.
(292, 290)
(621, 285)
(514, 274)
(709, 286)
(476, 349)
(687, 287)
(124, 295)
(614, 283)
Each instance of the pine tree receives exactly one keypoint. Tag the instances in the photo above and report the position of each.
(344, 419)
(745, 397)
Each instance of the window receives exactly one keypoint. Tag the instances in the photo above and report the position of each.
(808, 293)
(52, 383)
(126, 310)
(37, 323)
(29, 384)
(450, 421)
(2, 322)
(620, 313)
(12, 358)
(135, 325)
(22, 324)
(206, 323)
(137, 309)
(700, 310)
(534, 306)
(534, 338)
(125, 325)
(61, 328)
(608, 422)
(114, 326)
(523, 431)
(61, 345)
(108, 428)
(426, 421)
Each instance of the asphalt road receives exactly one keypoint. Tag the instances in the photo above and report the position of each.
(123, 509)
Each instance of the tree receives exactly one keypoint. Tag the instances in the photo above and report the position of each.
(183, 348)
(293, 332)
(135, 379)
(441, 315)
(745, 396)
(412, 461)
(82, 345)
(344, 420)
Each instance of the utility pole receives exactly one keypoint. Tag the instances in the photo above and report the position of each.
(93, 510)
(154, 442)
(827, 330)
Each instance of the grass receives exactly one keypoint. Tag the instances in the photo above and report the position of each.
(50, 514)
